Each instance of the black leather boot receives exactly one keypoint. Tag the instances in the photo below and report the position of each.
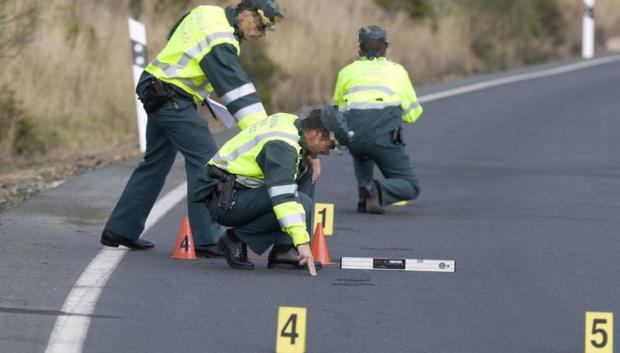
(370, 192)
(285, 256)
(209, 251)
(114, 240)
(361, 204)
(235, 251)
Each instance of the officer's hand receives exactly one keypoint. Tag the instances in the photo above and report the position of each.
(305, 257)
(315, 165)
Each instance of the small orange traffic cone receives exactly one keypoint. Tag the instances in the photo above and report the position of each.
(320, 252)
(184, 248)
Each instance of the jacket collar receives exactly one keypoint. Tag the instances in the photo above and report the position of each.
(230, 15)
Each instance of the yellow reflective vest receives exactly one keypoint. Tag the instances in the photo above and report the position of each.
(238, 156)
(179, 62)
(376, 83)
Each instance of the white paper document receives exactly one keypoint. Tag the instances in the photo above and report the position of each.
(221, 113)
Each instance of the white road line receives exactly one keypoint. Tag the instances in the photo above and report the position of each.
(70, 332)
(518, 78)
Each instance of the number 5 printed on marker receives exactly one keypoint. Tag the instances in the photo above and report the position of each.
(599, 332)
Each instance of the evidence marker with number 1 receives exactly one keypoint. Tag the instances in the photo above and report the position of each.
(369, 263)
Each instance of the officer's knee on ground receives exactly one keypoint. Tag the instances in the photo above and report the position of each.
(416, 190)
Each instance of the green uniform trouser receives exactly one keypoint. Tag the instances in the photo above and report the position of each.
(400, 181)
(254, 220)
(176, 126)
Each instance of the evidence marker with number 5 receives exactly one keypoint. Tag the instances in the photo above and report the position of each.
(369, 263)
(599, 336)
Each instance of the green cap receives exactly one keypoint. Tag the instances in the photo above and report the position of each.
(269, 12)
(372, 32)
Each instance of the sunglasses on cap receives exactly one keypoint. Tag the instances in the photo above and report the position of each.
(265, 23)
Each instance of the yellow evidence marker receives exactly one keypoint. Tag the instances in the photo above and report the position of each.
(291, 330)
(324, 214)
(599, 332)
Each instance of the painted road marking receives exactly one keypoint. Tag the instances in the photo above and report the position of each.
(70, 332)
(68, 335)
(519, 78)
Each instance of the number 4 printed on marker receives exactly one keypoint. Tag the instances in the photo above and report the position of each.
(291, 333)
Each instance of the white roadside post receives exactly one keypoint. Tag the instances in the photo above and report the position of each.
(137, 34)
(587, 47)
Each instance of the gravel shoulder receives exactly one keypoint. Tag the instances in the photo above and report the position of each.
(21, 182)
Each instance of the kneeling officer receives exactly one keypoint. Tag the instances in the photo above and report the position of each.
(259, 184)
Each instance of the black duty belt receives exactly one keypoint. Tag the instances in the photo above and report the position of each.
(158, 93)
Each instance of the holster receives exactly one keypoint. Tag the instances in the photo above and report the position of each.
(397, 136)
(156, 95)
(225, 189)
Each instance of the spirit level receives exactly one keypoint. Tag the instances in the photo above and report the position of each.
(369, 263)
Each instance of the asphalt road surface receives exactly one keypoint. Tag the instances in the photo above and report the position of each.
(520, 177)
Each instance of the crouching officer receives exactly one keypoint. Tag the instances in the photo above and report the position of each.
(259, 184)
(376, 96)
(201, 56)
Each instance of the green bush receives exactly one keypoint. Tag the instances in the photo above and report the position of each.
(20, 135)
(417, 9)
(507, 33)
(29, 138)
(18, 25)
(264, 72)
(9, 113)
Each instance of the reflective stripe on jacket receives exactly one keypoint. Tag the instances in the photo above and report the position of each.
(239, 156)
(179, 63)
(379, 83)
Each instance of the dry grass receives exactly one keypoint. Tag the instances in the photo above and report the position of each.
(312, 49)
(75, 78)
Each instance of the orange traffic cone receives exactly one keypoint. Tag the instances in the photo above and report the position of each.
(319, 248)
(184, 248)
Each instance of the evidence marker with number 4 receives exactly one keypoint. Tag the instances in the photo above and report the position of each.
(369, 263)
(291, 330)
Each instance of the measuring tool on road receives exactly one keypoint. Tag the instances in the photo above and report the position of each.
(369, 263)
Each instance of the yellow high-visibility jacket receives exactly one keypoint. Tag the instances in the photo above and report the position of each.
(239, 156)
(203, 31)
(378, 83)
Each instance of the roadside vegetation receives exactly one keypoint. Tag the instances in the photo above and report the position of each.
(67, 84)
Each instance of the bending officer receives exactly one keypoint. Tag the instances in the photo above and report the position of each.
(201, 56)
(259, 184)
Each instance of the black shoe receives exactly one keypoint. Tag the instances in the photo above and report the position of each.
(235, 251)
(372, 199)
(285, 256)
(209, 251)
(110, 239)
(361, 204)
